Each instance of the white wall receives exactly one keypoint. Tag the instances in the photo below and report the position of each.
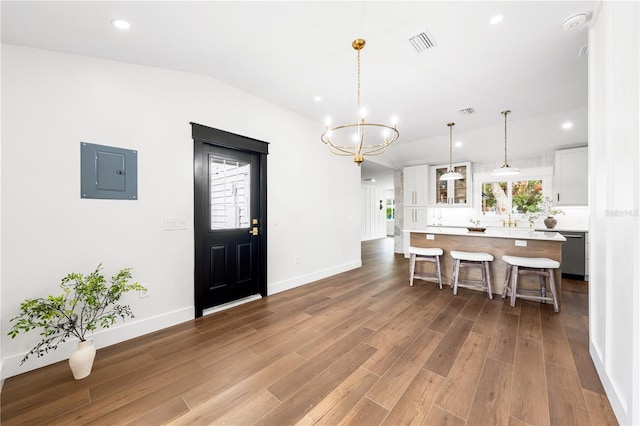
(1, 352)
(51, 102)
(614, 193)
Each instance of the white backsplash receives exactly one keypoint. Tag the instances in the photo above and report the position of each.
(575, 218)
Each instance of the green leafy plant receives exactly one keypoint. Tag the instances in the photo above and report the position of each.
(86, 304)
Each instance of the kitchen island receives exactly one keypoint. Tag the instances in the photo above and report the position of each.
(496, 241)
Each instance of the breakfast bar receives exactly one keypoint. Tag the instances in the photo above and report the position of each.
(496, 241)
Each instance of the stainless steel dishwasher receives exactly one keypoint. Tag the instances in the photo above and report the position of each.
(573, 254)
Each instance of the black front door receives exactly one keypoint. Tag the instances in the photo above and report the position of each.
(230, 217)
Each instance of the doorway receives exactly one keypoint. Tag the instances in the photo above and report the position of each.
(381, 215)
(230, 232)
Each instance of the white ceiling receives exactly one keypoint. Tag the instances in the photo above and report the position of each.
(290, 52)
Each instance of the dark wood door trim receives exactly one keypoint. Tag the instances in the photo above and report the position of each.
(227, 139)
(204, 135)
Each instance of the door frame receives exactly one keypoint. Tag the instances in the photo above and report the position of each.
(204, 135)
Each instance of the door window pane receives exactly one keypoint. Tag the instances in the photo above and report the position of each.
(391, 209)
(229, 193)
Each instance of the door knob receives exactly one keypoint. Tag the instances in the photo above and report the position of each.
(254, 230)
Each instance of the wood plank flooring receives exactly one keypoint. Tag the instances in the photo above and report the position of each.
(359, 348)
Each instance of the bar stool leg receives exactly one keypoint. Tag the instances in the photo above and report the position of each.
(484, 276)
(543, 287)
(438, 271)
(454, 278)
(514, 284)
(412, 268)
(507, 275)
(486, 269)
(552, 284)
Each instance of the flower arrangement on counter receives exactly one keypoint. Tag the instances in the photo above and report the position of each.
(546, 208)
(531, 216)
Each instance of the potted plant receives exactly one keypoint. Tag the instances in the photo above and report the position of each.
(548, 211)
(86, 304)
(476, 226)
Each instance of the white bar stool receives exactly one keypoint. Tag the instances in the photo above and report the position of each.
(541, 266)
(481, 260)
(422, 254)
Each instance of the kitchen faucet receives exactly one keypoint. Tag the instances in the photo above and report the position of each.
(509, 223)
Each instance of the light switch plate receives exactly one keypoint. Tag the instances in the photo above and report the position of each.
(175, 223)
(521, 243)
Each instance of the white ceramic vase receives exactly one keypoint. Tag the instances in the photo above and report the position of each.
(81, 361)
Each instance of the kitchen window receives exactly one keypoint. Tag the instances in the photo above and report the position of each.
(501, 196)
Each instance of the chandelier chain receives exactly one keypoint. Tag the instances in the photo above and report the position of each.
(359, 110)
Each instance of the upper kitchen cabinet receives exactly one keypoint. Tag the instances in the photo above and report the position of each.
(571, 177)
(416, 185)
(451, 193)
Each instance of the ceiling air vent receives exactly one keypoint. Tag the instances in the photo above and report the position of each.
(467, 111)
(583, 50)
(422, 42)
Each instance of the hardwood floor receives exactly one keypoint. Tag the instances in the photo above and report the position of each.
(359, 348)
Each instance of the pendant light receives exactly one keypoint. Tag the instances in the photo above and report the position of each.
(506, 169)
(451, 175)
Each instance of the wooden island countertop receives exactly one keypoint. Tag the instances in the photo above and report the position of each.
(496, 241)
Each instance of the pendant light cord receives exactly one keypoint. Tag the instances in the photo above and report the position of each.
(505, 113)
(451, 146)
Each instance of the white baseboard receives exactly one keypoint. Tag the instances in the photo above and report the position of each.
(10, 366)
(103, 338)
(618, 404)
(314, 276)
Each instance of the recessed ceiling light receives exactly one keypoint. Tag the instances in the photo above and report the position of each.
(567, 125)
(496, 19)
(458, 144)
(120, 24)
(574, 21)
(317, 98)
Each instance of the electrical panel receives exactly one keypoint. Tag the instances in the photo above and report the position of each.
(108, 173)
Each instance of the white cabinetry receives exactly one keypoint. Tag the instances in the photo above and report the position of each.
(451, 193)
(416, 197)
(416, 185)
(415, 218)
(570, 177)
